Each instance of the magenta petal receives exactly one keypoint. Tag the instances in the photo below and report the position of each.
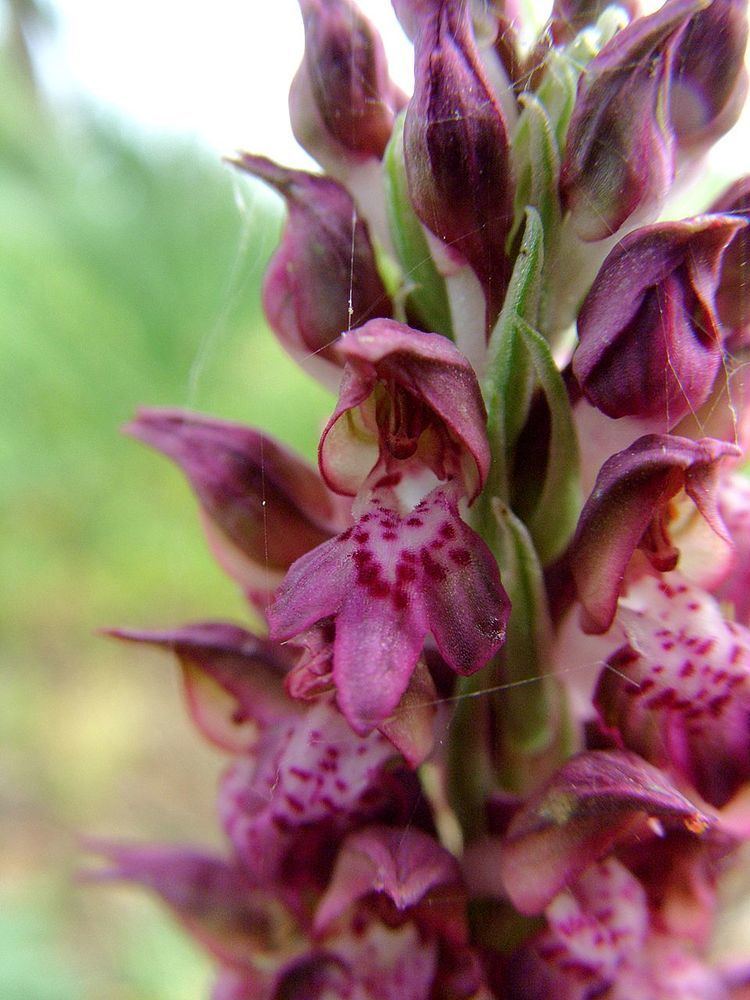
(431, 407)
(214, 899)
(650, 343)
(308, 770)
(233, 679)
(629, 499)
(469, 609)
(594, 801)
(680, 693)
(376, 650)
(405, 865)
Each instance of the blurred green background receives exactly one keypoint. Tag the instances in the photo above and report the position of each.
(129, 273)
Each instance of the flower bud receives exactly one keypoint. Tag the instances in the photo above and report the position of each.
(709, 79)
(342, 103)
(457, 151)
(323, 278)
(650, 342)
(733, 293)
(619, 156)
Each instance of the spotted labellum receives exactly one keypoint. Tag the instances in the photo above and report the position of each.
(487, 726)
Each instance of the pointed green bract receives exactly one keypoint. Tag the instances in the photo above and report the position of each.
(509, 383)
(424, 288)
(555, 515)
(537, 161)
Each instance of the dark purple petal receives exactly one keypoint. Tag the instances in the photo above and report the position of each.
(387, 582)
(214, 899)
(324, 264)
(709, 80)
(233, 679)
(733, 294)
(405, 865)
(456, 148)
(680, 691)
(342, 102)
(618, 157)
(650, 342)
(265, 507)
(628, 509)
(597, 799)
(428, 407)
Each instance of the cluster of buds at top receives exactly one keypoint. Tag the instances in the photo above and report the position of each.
(493, 740)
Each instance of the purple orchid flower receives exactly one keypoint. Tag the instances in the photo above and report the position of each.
(650, 340)
(413, 574)
(680, 694)
(416, 809)
(342, 103)
(709, 81)
(599, 943)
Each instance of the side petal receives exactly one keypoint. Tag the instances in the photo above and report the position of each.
(214, 899)
(263, 503)
(629, 499)
(233, 679)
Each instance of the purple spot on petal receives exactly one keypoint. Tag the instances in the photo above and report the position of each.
(400, 600)
(461, 557)
(432, 568)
